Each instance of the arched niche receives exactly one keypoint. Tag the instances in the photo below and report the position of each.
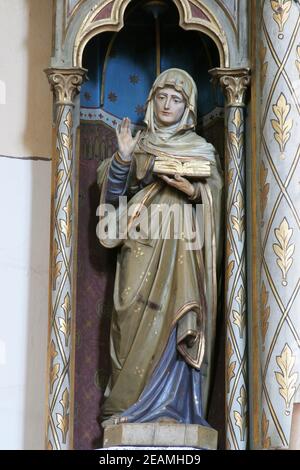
(105, 99)
(76, 23)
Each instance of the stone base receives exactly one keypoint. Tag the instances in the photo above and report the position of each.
(160, 434)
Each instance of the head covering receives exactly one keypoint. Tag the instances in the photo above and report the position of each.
(182, 82)
(179, 139)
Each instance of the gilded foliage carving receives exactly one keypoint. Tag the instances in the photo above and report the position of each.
(286, 378)
(240, 417)
(66, 225)
(265, 311)
(284, 249)
(264, 188)
(63, 419)
(278, 203)
(69, 120)
(65, 83)
(230, 266)
(236, 138)
(282, 125)
(54, 368)
(228, 248)
(67, 138)
(240, 314)
(237, 120)
(231, 365)
(57, 265)
(59, 180)
(281, 14)
(235, 88)
(229, 269)
(266, 440)
(65, 323)
(238, 220)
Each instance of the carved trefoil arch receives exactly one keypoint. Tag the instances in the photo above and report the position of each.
(109, 15)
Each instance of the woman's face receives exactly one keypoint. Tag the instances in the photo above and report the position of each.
(169, 106)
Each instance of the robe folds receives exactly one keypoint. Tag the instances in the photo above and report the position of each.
(163, 324)
(160, 284)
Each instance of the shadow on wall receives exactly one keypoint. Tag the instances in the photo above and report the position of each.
(37, 139)
(38, 44)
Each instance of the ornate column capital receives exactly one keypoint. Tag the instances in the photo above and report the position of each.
(234, 82)
(65, 83)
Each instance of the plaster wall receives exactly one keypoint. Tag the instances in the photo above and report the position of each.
(25, 173)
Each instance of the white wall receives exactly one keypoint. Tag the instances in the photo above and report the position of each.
(25, 131)
(25, 50)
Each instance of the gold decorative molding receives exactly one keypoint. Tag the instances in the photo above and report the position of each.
(265, 307)
(264, 189)
(254, 384)
(65, 83)
(264, 64)
(94, 24)
(208, 25)
(234, 83)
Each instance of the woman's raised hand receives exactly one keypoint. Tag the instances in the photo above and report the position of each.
(126, 143)
(180, 183)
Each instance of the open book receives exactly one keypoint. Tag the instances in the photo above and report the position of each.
(193, 167)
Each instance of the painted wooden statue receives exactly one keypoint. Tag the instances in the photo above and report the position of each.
(165, 296)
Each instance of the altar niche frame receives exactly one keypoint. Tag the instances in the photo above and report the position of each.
(75, 23)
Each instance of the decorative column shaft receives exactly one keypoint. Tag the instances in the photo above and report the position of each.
(235, 83)
(65, 84)
(280, 218)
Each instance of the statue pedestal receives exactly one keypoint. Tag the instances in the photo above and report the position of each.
(160, 434)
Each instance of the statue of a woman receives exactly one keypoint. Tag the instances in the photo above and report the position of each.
(165, 295)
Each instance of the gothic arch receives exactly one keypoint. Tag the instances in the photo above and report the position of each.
(198, 17)
(90, 19)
